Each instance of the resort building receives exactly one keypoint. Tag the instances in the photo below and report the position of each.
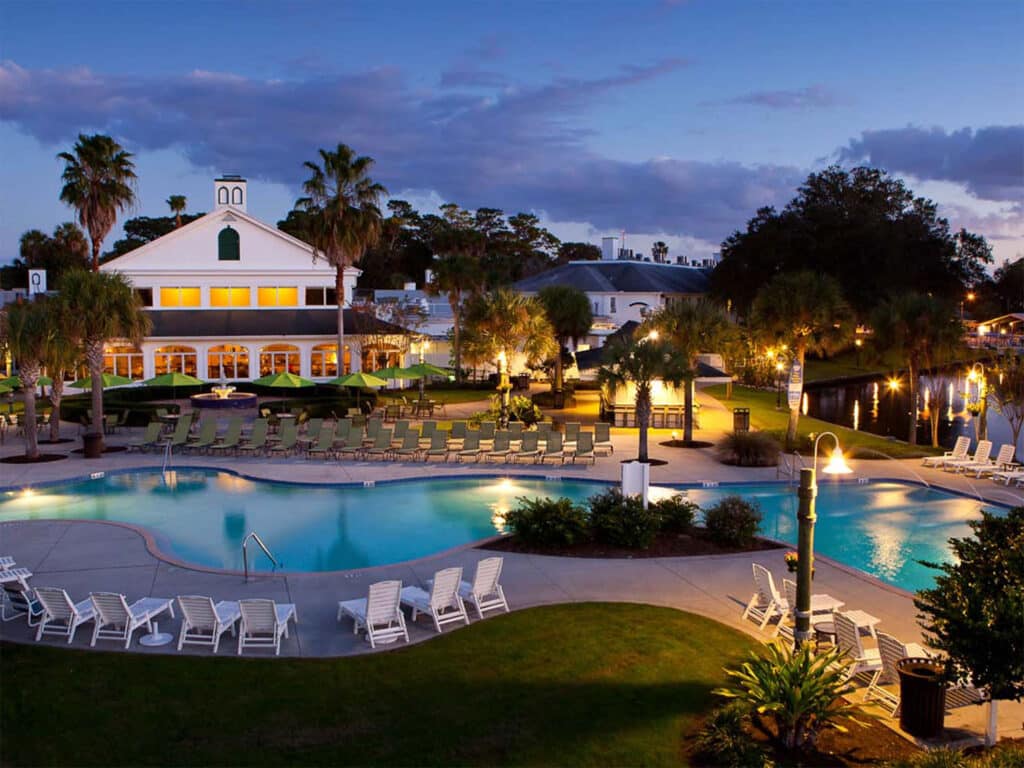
(233, 298)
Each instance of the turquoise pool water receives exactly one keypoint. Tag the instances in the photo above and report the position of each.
(202, 516)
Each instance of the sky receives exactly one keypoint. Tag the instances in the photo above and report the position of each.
(666, 119)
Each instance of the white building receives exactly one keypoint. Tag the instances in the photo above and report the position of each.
(232, 298)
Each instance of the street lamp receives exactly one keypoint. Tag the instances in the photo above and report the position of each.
(503, 387)
(806, 518)
(976, 375)
(779, 368)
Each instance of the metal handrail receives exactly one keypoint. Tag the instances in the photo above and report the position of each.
(789, 465)
(167, 457)
(245, 552)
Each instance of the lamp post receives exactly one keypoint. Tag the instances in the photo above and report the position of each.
(806, 517)
(976, 375)
(780, 367)
(424, 346)
(503, 387)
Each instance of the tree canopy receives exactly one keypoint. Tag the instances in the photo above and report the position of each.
(144, 229)
(65, 250)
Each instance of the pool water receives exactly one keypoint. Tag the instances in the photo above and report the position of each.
(202, 516)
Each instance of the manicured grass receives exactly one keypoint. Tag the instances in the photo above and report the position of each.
(763, 415)
(455, 395)
(591, 684)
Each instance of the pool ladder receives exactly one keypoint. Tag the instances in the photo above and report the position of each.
(790, 466)
(245, 552)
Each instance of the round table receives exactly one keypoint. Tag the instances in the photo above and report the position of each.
(825, 630)
(156, 637)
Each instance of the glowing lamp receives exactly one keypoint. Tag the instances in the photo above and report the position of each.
(837, 463)
(894, 384)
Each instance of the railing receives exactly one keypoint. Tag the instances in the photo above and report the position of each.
(789, 466)
(167, 457)
(245, 552)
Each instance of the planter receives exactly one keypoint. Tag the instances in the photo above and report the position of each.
(92, 445)
(922, 697)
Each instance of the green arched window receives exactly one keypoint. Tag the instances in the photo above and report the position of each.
(228, 245)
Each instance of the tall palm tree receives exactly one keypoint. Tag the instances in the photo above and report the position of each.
(29, 330)
(641, 361)
(99, 178)
(693, 327)
(62, 356)
(345, 218)
(807, 310)
(456, 273)
(924, 332)
(98, 307)
(177, 204)
(568, 310)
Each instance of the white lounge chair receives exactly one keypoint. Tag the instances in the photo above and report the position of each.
(980, 458)
(822, 605)
(18, 599)
(263, 624)
(485, 593)
(853, 651)
(765, 603)
(202, 622)
(7, 561)
(379, 613)
(1002, 462)
(113, 611)
(60, 615)
(960, 448)
(891, 651)
(442, 603)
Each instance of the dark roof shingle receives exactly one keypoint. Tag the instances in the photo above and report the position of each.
(625, 276)
(227, 323)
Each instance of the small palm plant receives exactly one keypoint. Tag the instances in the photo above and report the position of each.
(799, 690)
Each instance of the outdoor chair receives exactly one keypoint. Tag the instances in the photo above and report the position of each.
(848, 641)
(352, 445)
(60, 615)
(116, 620)
(487, 431)
(400, 430)
(1003, 461)
(231, 438)
(18, 599)
(603, 439)
(410, 447)
(427, 432)
(179, 438)
(528, 449)
(381, 447)
(379, 613)
(312, 428)
(572, 431)
(149, 438)
(822, 606)
(890, 651)
(207, 437)
(458, 434)
(257, 438)
(442, 603)
(515, 433)
(470, 448)
(981, 454)
(263, 624)
(202, 622)
(584, 448)
(438, 447)
(289, 435)
(324, 446)
(960, 448)
(553, 449)
(6, 561)
(501, 449)
(485, 593)
(373, 426)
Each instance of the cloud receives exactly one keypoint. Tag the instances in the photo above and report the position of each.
(988, 161)
(815, 96)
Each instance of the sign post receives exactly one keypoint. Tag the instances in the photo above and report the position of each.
(36, 281)
(796, 385)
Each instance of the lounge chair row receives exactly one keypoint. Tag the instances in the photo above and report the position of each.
(1003, 468)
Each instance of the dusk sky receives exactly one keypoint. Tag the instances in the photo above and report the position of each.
(670, 120)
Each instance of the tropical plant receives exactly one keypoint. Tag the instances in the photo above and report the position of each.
(640, 362)
(724, 740)
(1006, 391)
(801, 690)
(456, 273)
(622, 521)
(98, 307)
(29, 331)
(568, 310)
(177, 204)
(99, 179)
(693, 327)
(548, 522)
(807, 311)
(975, 611)
(924, 332)
(732, 521)
(62, 357)
(749, 449)
(344, 215)
(676, 513)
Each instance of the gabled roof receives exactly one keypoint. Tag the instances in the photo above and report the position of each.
(230, 323)
(620, 276)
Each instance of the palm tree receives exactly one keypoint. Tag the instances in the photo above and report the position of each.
(641, 361)
(807, 310)
(29, 331)
(345, 219)
(98, 307)
(99, 180)
(693, 327)
(456, 272)
(568, 310)
(925, 333)
(62, 356)
(177, 205)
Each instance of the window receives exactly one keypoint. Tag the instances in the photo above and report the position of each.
(123, 361)
(228, 248)
(324, 360)
(222, 196)
(230, 297)
(321, 297)
(227, 361)
(175, 359)
(611, 304)
(236, 195)
(597, 308)
(180, 297)
(279, 358)
(268, 296)
(145, 296)
(376, 357)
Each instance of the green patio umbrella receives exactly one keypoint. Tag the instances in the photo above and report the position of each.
(4, 389)
(14, 382)
(173, 380)
(358, 380)
(107, 380)
(284, 380)
(421, 371)
(394, 372)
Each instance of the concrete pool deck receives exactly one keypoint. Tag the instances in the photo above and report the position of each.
(92, 556)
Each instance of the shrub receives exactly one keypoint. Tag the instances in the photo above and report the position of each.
(935, 758)
(1008, 756)
(733, 521)
(622, 521)
(548, 522)
(749, 449)
(800, 690)
(724, 740)
(676, 513)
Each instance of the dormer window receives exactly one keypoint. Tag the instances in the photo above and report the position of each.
(228, 246)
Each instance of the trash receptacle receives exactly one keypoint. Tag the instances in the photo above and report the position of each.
(922, 696)
(92, 445)
(740, 419)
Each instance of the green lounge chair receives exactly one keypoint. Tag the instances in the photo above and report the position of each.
(410, 447)
(372, 429)
(232, 437)
(487, 431)
(501, 448)
(584, 448)
(603, 439)
(180, 435)
(207, 437)
(324, 447)
(427, 432)
(353, 445)
(528, 449)
(381, 445)
(470, 448)
(257, 438)
(438, 446)
(553, 449)
(149, 438)
(572, 429)
(289, 437)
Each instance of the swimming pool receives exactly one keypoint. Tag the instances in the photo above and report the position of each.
(201, 517)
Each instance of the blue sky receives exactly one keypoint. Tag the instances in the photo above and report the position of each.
(670, 120)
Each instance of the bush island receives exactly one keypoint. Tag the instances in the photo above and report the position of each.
(548, 522)
(676, 513)
(622, 521)
(724, 740)
(733, 521)
(749, 449)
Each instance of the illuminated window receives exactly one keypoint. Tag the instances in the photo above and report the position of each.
(180, 297)
(175, 359)
(269, 296)
(228, 247)
(145, 296)
(324, 361)
(123, 361)
(321, 296)
(227, 361)
(230, 297)
(279, 358)
(377, 356)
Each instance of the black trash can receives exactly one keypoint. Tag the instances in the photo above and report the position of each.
(740, 419)
(92, 445)
(922, 697)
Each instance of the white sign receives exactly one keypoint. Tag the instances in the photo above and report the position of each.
(36, 281)
(796, 385)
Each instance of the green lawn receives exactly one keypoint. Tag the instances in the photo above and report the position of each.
(591, 684)
(455, 395)
(763, 415)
